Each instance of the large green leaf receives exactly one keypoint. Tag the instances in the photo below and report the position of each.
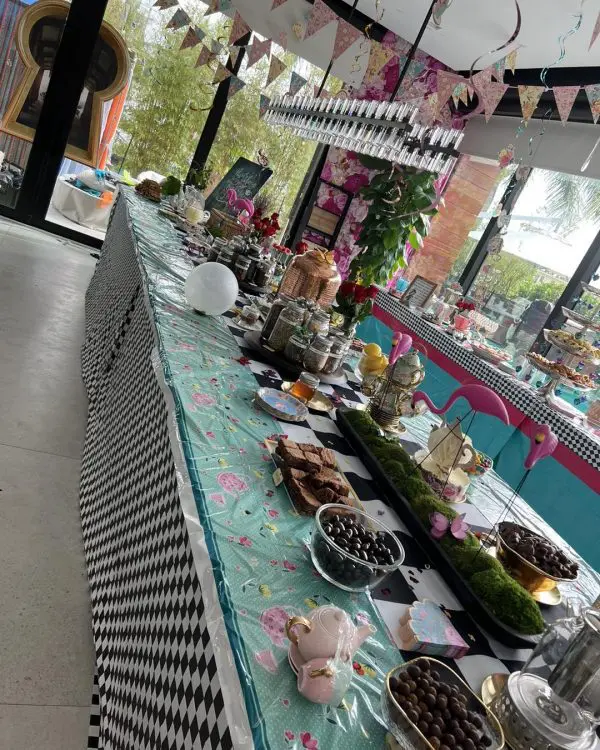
(371, 162)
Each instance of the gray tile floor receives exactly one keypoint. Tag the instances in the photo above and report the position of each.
(46, 651)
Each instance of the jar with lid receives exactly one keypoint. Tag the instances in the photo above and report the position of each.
(254, 256)
(317, 354)
(276, 308)
(295, 348)
(240, 269)
(333, 363)
(287, 322)
(264, 273)
(319, 323)
(226, 257)
(216, 247)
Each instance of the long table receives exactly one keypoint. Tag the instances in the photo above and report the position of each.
(195, 559)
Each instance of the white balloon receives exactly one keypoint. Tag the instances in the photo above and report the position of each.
(211, 288)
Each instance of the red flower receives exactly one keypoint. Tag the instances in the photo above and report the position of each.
(301, 248)
(243, 360)
(373, 292)
(275, 216)
(347, 288)
(361, 294)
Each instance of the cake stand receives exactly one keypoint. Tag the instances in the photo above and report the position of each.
(586, 323)
(548, 390)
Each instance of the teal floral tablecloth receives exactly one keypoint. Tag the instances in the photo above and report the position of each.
(256, 541)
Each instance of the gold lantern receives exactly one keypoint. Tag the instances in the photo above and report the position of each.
(313, 275)
(392, 394)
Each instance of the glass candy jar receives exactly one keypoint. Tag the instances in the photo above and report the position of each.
(241, 267)
(318, 323)
(295, 348)
(272, 316)
(289, 319)
(317, 353)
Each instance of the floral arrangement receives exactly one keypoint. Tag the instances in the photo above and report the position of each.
(465, 306)
(264, 226)
(355, 302)
(301, 247)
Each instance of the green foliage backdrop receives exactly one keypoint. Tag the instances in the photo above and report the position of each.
(169, 99)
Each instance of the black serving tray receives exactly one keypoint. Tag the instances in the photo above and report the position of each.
(444, 565)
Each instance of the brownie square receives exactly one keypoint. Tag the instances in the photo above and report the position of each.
(331, 479)
(290, 473)
(284, 443)
(302, 497)
(313, 463)
(325, 495)
(328, 458)
(294, 459)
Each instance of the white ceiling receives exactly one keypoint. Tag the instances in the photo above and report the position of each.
(470, 28)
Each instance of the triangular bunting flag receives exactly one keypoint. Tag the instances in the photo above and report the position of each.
(428, 111)
(215, 47)
(498, 69)
(379, 56)
(165, 4)
(511, 60)
(446, 81)
(595, 32)
(205, 57)
(194, 36)
(530, 96)
(276, 68)
(264, 103)
(321, 16)
(565, 98)
(221, 73)
(277, 3)
(257, 50)
(282, 39)
(345, 37)
(234, 53)
(491, 93)
(483, 76)
(296, 83)
(179, 20)
(593, 94)
(218, 6)
(238, 28)
(235, 84)
(461, 92)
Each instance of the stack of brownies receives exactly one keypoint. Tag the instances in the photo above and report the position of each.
(311, 476)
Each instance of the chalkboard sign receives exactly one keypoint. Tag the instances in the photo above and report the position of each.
(245, 177)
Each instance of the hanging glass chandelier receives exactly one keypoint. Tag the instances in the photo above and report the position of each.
(386, 130)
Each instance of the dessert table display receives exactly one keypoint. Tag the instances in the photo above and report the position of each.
(197, 559)
(572, 471)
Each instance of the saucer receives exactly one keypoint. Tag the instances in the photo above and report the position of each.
(294, 658)
(281, 405)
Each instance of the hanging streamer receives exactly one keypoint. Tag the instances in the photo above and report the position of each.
(562, 39)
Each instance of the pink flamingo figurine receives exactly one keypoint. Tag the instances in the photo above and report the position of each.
(543, 443)
(401, 343)
(243, 206)
(479, 397)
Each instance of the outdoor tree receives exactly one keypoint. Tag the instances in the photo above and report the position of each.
(169, 100)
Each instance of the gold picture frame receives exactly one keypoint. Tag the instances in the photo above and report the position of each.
(20, 119)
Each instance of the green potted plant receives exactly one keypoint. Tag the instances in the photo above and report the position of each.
(402, 202)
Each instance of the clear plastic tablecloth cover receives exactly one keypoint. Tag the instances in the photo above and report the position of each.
(246, 534)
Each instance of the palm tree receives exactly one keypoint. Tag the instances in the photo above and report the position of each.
(571, 199)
